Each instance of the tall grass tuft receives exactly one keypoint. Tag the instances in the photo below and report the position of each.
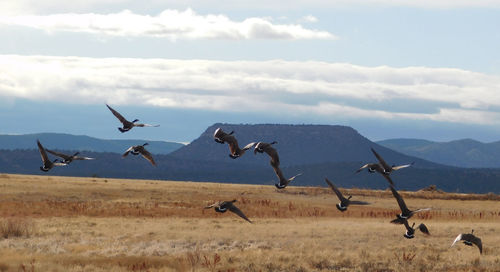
(16, 227)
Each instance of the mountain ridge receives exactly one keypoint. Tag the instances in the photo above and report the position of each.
(468, 153)
(70, 142)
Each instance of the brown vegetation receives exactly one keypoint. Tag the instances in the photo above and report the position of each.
(91, 224)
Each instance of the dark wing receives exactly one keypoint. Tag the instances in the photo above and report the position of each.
(147, 155)
(473, 239)
(337, 192)
(400, 200)
(43, 154)
(281, 177)
(380, 159)
(388, 179)
(357, 202)
(232, 142)
(117, 114)
(423, 228)
(237, 211)
(64, 156)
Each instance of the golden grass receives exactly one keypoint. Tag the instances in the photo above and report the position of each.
(90, 224)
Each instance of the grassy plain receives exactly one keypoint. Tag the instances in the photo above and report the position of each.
(97, 224)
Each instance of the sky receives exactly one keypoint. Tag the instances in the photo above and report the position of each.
(389, 69)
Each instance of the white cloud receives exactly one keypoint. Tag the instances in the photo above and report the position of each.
(171, 24)
(275, 87)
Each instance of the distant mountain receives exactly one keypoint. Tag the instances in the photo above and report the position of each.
(112, 165)
(335, 152)
(460, 153)
(297, 145)
(62, 141)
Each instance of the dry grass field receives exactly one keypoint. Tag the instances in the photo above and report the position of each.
(93, 224)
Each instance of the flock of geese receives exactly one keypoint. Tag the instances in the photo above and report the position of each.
(235, 152)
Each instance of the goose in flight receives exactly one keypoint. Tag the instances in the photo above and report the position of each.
(267, 148)
(410, 231)
(47, 164)
(405, 212)
(139, 149)
(469, 239)
(68, 158)
(127, 125)
(235, 151)
(382, 167)
(344, 202)
(224, 206)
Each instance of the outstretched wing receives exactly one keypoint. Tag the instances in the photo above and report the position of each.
(213, 205)
(292, 178)
(83, 158)
(380, 159)
(248, 146)
(237, 211)
(357, 202)
(399, 199)
(117, 114)
(145, 125)
(402, 166)
(477, 241)
(147, 156)
(388, 179)
(335, 190)
(423, 228)
(43, 154)
(459, 237)
(363, 167)
(64, 156)
(127, 151)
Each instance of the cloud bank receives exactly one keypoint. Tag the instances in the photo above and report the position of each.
(171, 24)
(275, 87)
(64, 6)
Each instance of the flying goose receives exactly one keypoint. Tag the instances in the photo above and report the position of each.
(410, 231)
(469, 239)
(382, 167)
(139, 149)
(405, 212)
(223, 206)
(68, 158)
(47, 164)
(267, 148)
(344, 202)
(221, 137)
(127, 125)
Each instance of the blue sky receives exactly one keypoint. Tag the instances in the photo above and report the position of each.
(390, 69)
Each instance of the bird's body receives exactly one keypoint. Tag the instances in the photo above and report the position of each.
(382, 167)
(344, 202)
(47, 164)
(127, 125)
(410, 231)
(235, 151)
(68, 158)
(469, 239)
(267, 148)
(405, 212)
(224, 206)
(140, 149)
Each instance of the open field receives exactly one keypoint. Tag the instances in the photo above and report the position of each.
(95, 224)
